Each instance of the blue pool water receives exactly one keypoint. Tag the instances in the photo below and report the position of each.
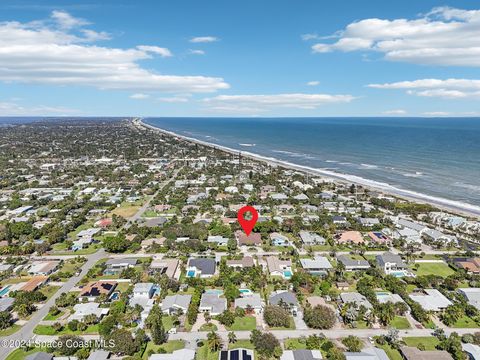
(4, 290)
(191, 273)
(287, 273)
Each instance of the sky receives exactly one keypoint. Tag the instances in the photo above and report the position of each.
(239, 58)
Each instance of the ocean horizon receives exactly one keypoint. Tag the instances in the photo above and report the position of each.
(435, 157)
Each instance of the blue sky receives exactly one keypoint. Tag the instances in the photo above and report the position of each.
(240, 58)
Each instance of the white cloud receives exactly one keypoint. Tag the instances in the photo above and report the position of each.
(313, 83)
(203, 39)
(196, 52)
(67, 21)
(139, 96)
(444, 36)
(14, 109)
(49, 54)
(448, 89)
(395, 112)
(163, 52)
(173, 99)
(437, 113)
(262, 103)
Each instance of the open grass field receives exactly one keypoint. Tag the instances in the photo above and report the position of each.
(244, 323)
(465, 322)
(169, 347)
(295, 344)
(400, 322)
(126, 210)
(49, 330)
(440, 269)
(430, 342)
(11, 330)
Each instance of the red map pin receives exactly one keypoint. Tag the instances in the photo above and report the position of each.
(247, 225)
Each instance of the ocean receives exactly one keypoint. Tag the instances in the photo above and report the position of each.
(430, 158)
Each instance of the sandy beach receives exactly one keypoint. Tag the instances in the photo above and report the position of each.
(452, 206)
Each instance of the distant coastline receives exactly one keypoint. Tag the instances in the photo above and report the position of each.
(441, 203)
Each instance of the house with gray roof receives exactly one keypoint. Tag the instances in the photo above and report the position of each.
(6, 303)
(284, 297)
(41, 355)
(356, 299)
(472, 295)
(431, 300)
(252, 301)
(316, 266)
(353, 264)
(175, 303)
(201, 267)
(212, 303)
(310, 238)
(391, 264)
(372, 353)
(117, 265)
(301, 355)
(472, 350)
(99, 355)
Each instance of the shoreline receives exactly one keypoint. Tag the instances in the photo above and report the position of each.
(452, 206)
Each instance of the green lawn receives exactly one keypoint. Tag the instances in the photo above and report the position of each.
(11, 330)
(248, 323)
(291, 327)
(246, 344)
(169, 347)
(49, 330)
(440, 269)
(393, 354)
(400, 322)
(208, 327)
(167, 322)
(465, 322)
(49, 290)
(429, 341)
(21, 354)
(204, 353)
(294, 344)
(53, 317)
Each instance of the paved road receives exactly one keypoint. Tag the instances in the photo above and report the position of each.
(26, 332)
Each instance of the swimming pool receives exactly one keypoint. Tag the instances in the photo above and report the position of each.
(287, 274)
(191, 273)
(115, 296)
(4, 291)
(214, 291)
(398, 273)
(245, 291)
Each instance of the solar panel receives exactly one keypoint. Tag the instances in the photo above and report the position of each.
(234, 355)
(224, 355)
(245, 355)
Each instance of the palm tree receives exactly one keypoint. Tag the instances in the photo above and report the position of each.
(232, 338)
(214, 342)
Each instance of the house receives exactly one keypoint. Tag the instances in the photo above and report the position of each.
(384, 297)
(356, 299)
(301, 355)
(340, 220)
(40, 355)
(251, 301)
(144, 289)
(213, 303)
(165, 266)
(175, 303)
(439, 237)
(278, 196)
(353, 264)
(277, 267)
(378, 237)
(472, 295)
(90, 308)
(278, 239)
(34, 283)
(371, 353)
(182, 354)
(472, 350)
(43, 267)
(317, 266)
(368, 222)
(97, 288)
(219, 240)
(252, 239)
(350, 237)
(245, 262)
(471, 265)
(99, 355)
(309, 238)
(391, 264)
(284, 298)
(202, 267)
(6, 303)
(117, 265)
(431, 300)
(236, 354)
(412, 353)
